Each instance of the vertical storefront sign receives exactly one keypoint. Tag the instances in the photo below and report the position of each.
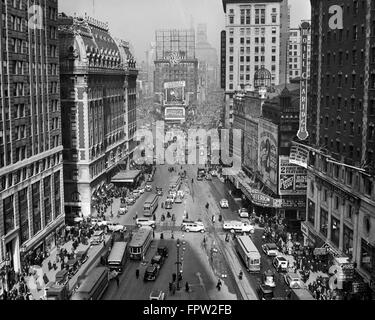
(302, 132)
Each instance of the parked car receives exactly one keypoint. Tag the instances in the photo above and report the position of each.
(130, 200)
(270, 249)
(293, 280)
(265, 292)
(97, 238)
(157, 295)
(115, 227)
(151, 273)
(162, 251)
(98, 222)
(178, 200)
(243, 212)
(269, 279)
(144, 222)
(238, 226)
(280, 263)
(224, 204)
(148, 188)
(159, 191)
(158, 260)
(193, 227)
(141, 190)
(136, 193)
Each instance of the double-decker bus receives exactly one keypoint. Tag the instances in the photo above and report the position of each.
(150, 205)
(140, 243)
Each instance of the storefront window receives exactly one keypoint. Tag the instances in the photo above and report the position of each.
(56, 180)
(323, 222)
(47, 200)
(311, 213)
(367, 256)
(8, 214)
(335, 231)
(348, 242)
(37, 223)
(24, 218)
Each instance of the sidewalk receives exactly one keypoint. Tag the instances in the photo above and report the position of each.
(94, 254)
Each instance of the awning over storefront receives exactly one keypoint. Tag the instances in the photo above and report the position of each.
(128, 176)
(256, 196)
(39, 238)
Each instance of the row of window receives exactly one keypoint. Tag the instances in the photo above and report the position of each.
(245, 16)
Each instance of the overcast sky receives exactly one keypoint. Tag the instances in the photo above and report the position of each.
(137, 20)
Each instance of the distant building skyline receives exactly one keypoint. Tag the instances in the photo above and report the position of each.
(168, 14)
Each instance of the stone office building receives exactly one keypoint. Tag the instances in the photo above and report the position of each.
(98, 97)
(31, 172)
(341, 193)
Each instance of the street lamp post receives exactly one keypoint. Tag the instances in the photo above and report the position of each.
(178, 263)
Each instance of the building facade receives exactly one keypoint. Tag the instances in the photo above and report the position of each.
(341, 193)
(256, 35)
(208, 64)
(294, 54)
(31, 171)
(98, 100)
(176, 62)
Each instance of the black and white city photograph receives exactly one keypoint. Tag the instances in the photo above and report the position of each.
(209, 152)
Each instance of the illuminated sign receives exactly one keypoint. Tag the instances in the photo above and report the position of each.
(174, 113)
(302, 132)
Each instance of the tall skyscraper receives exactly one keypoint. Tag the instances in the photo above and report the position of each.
(341, 113)
(31, 172)
(208, 63)
(257, 33)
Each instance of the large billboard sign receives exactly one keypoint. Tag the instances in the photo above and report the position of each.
(293, 178)
(302, 132)
(174, 92)
(250, 159)
(175, 113)
(268, 153)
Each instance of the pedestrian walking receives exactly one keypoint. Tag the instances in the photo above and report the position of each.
(137, 274)
(187, 287)
(153, 234)
(218, 286)
(117, 278)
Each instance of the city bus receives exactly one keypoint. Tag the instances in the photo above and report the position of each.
(248, 252)
(117, 257)
(94, 285)
(140, 243)
(150, 205)
(175, 183)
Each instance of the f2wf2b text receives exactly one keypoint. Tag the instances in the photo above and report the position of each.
(209, 309)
